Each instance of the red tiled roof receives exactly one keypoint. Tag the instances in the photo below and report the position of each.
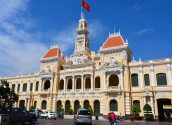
(113, 42)
(54, 52)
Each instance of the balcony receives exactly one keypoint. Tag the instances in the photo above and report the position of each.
(78, 90)
(113, 88)
(87, 90)
(44, 92)
(69, 90)
(97, 89)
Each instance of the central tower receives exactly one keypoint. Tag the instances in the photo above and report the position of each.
(82, 40)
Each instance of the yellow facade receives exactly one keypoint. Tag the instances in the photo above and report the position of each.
(105, 76)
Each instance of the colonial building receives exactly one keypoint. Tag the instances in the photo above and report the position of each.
(107, 80)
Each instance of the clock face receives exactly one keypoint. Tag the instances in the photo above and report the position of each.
(80, 43)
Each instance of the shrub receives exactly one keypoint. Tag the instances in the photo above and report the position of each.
(33, 107)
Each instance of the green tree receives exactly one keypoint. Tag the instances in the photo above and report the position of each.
(91, 110)
(136, 110)
(148, 112)
(7, 96)
(33, 107)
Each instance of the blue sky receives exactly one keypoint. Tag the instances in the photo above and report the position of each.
(28, 28)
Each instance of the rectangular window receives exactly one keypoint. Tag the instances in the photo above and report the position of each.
(161, 79)
(13, 87)
(134, 80)
(24, 87)
(31, 86)
(37, 85)
(18, 89)
(146, 78)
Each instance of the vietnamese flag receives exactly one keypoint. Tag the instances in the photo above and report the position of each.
(85, 5)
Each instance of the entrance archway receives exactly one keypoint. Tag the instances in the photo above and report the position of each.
(76, 106)
(160, 103)
(59, 106)
(113, 105)
(67, 107)
(96, 107)
(86, 104)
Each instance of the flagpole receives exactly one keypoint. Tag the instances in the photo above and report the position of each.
(82, 15)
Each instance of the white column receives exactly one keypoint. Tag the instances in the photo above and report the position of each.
(51, 85)
(169, 74)
(141, 78)
(82, 83)
(105, 86)
(152, 75)
(64, 89)
(144, 100)
(122, 80)
(92, 82)
(41, 84)
(152, 105)
(28, 87)
(73, 84)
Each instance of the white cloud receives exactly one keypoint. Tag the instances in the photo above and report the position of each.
(20, 51)
(143, 31)
(136, 7)
(11, 8)
(66, 38)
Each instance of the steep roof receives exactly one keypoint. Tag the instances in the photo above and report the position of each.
(113, 41)
(53, 52)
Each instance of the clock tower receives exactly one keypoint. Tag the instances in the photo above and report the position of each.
(82, 40)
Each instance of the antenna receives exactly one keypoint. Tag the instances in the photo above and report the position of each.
(114, 29)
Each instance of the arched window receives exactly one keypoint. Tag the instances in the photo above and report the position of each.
(136, 103)
(86, 104)
(31, 86)
(113, 80)
(69, 84)
(78, 83)
(97, 82)
(97, 107)
(87, 83)
(35, 104)
(76, 106)
(44, 104)
(47, 84)
(61, 86)
(134, 80)
(37, 85)
(146, 79)
(22, 103)
(13, 87)
(18, 87)
(24, 87)
(113, 105)
(161, 79)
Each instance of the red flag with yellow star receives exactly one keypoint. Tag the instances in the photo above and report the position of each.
(86, 6)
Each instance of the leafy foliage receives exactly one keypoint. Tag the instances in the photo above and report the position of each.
(7, 96)
(136, 110)
(148, 112)
(33, 107)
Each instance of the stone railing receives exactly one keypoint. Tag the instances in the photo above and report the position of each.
(87, 90)
(97, 89)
